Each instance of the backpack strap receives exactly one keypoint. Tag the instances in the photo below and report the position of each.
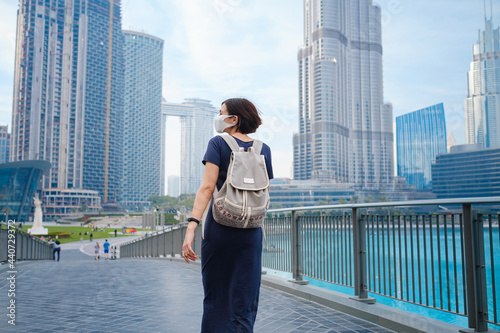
(231, 142)
(257, 146)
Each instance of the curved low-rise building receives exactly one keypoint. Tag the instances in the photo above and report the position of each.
(18, 184)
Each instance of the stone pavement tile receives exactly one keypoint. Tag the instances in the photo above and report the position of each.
(79, 294)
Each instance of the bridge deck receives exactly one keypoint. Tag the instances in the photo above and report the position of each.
(80, 294)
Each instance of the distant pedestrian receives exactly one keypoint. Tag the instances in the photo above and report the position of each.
(56, 247)
(115, 232)
(96, 250)
(106, 249)
(81, 239)
(91, 235)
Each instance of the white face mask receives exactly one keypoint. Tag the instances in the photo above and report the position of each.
(220, 124)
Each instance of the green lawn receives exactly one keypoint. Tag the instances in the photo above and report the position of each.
(77, 230)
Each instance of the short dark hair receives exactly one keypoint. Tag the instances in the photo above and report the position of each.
(248, 115)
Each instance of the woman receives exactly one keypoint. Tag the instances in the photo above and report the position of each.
(231, 257)
(96, 250)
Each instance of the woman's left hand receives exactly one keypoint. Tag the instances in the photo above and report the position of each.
(187, 248)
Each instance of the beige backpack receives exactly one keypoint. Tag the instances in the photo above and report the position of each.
(243, 199)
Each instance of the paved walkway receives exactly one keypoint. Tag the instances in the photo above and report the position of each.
(80, 294)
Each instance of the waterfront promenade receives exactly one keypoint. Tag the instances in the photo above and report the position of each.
(80, 294)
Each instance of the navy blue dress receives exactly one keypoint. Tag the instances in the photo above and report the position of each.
(230, 259)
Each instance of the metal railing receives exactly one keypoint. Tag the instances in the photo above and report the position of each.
(16, 244)
(161, 243)
(442, 259)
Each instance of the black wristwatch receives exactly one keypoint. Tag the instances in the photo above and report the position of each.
(192, 219)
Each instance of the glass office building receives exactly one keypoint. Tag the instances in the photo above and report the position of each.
(68, 93)
(142, 146)
(345, 130)
(467, 171)
(482, 105)
(420, 137)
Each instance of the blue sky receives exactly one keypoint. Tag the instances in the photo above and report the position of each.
(216, 49)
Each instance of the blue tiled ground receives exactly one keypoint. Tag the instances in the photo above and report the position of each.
(80, 294)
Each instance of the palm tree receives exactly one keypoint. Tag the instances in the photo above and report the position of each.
(6, 211)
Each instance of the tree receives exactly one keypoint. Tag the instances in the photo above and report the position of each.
(165, 202)
(172, 204)
(6, 211)
(369, 199)
(382, 198)
(354, 199)
(83, 207)
(187, 200)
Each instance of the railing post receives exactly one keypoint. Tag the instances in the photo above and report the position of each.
(359, 248)
(149, 246)
(183, 233)
(19, 246)
(172, 254)
(475, 267)
(157, 244)
(164, 244)
(295, 246)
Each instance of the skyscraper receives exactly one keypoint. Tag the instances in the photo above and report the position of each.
(104, 87)
(420, 137)
(345, 130)
(142, 147)
(4, 144)
(482, 105)
(197, 128)
(173, 186)
(68, 86)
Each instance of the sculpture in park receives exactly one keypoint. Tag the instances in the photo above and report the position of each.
(38, 229)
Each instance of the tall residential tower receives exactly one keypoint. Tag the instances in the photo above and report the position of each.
(482, 105)
(68, 93)
(345, 130)
(142, 146)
